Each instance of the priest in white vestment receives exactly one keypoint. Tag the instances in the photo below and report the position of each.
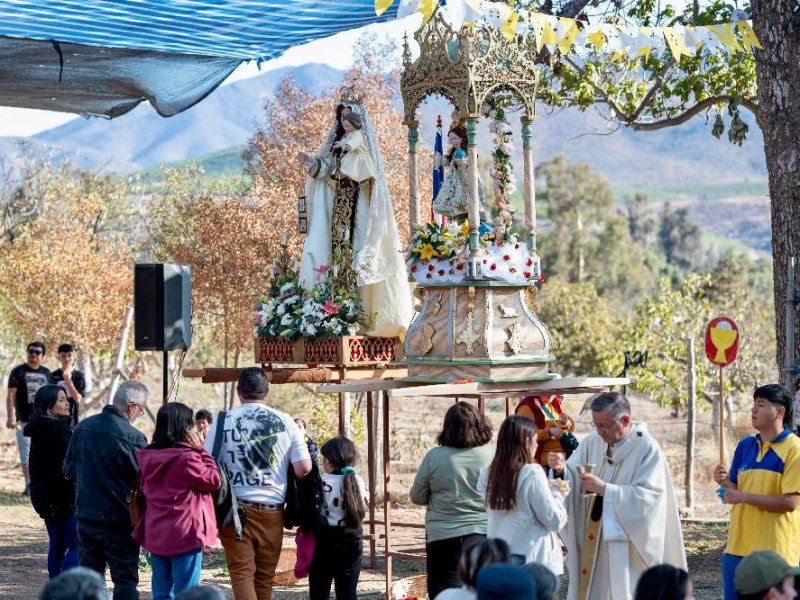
(631, 522)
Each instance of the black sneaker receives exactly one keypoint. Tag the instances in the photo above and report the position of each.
(27, 491)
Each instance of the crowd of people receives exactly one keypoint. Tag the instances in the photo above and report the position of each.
(504, 522)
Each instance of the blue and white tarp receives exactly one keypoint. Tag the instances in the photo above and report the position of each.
(103, 57)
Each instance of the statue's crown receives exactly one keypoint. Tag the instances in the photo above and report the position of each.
(349, 95)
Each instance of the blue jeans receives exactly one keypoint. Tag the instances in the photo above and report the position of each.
(63, 552)
(173, 574)
(729, 564)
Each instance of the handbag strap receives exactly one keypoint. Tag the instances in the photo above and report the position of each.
(218, 434)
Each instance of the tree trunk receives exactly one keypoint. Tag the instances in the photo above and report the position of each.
(778, 75)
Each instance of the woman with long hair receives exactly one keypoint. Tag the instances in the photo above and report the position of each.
(447, 483)
(52, 494)
(177, 477)
(338, 547)
(521, 507)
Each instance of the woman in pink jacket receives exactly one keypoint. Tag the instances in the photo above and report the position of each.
(177, 477)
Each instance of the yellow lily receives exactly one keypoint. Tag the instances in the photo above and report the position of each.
(428, 252)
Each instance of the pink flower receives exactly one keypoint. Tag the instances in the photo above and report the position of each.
(321, 270)
(330, 308)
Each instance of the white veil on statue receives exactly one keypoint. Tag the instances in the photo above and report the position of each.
(377, 251)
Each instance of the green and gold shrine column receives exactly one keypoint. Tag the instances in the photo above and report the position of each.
(473, 200)
(528, 187)
(413, 182)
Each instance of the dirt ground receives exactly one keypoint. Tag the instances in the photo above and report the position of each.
(414, 425)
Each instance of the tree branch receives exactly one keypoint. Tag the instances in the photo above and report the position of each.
(653, 89)
(691, 112)
(573, 8)
(597, 88)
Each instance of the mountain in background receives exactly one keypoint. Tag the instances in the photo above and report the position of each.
(673, 157)
(722, 185)
(142, 139)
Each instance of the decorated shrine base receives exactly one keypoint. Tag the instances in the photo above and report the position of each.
(344, 351)
(479, 331)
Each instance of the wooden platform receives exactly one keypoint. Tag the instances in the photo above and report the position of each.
(396, 388)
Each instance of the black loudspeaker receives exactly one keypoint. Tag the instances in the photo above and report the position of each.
(162, 301)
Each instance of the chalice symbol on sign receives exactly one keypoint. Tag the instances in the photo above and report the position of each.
(586, 469)
(722, 336)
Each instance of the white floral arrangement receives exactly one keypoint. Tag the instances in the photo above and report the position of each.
(501, 261)
(325, 310)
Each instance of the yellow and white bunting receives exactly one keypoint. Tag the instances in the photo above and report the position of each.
(582, 39)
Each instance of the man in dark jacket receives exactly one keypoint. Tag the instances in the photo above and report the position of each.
(101, 461)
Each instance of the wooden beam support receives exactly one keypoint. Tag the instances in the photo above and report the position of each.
(566, 385)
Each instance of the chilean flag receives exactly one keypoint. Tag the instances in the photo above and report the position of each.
(438, 164)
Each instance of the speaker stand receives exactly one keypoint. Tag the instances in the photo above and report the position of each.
(165, 383)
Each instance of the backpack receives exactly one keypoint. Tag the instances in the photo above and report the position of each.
(225, 506)
(305, 500)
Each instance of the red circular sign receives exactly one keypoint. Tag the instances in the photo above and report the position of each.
(722, 341)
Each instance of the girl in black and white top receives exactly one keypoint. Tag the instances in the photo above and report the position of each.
(339, 546)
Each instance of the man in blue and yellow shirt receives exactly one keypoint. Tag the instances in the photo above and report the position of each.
(763, 485)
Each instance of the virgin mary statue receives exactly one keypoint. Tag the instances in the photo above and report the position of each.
(352, 223)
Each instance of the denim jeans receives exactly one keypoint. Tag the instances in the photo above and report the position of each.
(100, 544)
(173, 574)
(63, 552)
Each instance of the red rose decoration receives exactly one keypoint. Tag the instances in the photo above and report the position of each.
(526, 274)
(414, 269)
(506, 257)
(430, 267)
(529, 262)
(541, 278)
(512, 270)
(460, 266)
(516, 246)
(428, 276)
(493, 267)
(441, 272)
(451, 271)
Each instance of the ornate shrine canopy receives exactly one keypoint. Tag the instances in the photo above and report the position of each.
(105, 57)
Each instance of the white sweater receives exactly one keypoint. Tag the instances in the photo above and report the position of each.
(530, 529)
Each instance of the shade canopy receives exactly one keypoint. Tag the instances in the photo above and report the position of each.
(103, 58)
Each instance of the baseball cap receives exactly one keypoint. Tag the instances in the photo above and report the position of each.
(762, 570)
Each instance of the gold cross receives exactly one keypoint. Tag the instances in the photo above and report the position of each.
(469, 337)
